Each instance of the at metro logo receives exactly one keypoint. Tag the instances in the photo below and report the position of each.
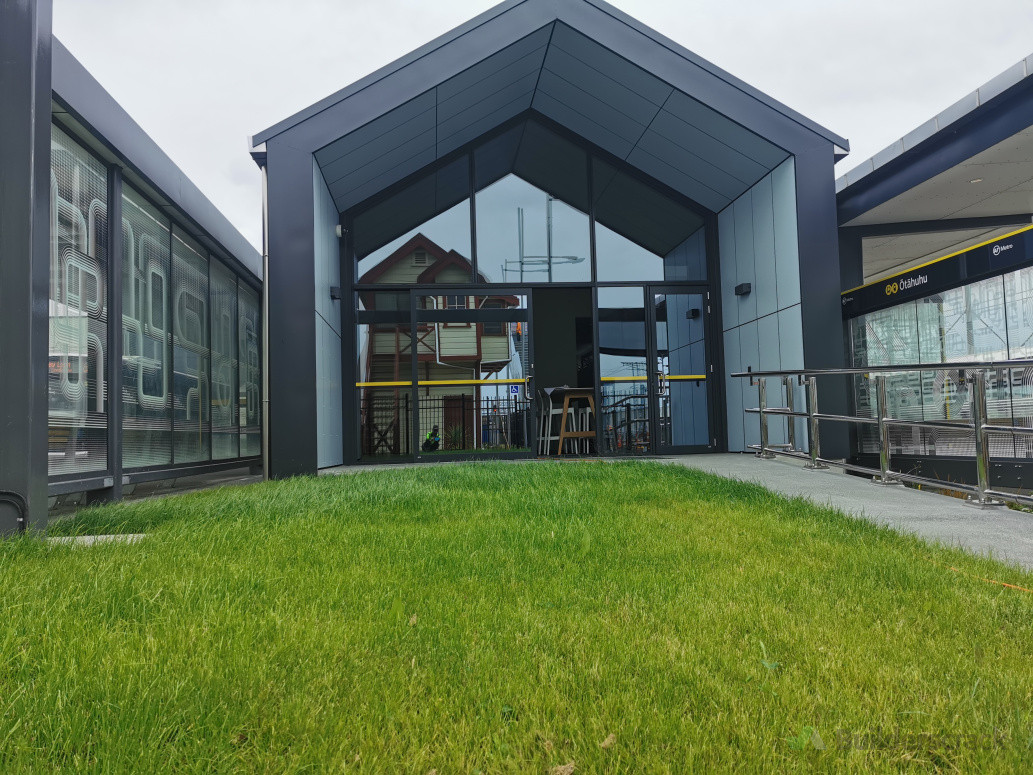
(998, 249)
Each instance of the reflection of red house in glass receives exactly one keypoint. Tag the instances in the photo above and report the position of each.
(457, 350)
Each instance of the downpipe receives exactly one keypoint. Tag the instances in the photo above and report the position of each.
(265, 322)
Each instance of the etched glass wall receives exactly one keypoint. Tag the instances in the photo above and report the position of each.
(225, 435)
(146, 334)
(78, 306)
(191, 386)
(249, 335)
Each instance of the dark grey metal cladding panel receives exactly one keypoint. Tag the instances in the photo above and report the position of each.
(414, 75)
(554, 164)
(749, 144)
(670, 63)
(596, 133)
(821, 310)
(388, 131)
(691, 165)
(511, 64)
(607, 63)
(640, 213)
(376, 164)
(98, 111)
(470, 132)
(492, 109)
(616, 91)
(593, 106)
(292, 330)
(716, 150)
(347, 195)
(496, 158)
(678, 180)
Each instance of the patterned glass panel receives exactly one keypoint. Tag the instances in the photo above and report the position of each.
(191, 387)
(77, 383)
(146, 334)
(250, 372)
(225, 435)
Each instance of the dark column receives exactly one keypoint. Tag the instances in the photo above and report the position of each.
(851, 258)
(291, 314)
(820, 286)
(25, 88)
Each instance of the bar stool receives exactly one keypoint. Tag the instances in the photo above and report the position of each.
(570, 420)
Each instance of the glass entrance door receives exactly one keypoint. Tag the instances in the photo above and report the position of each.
(680, 403)
(654, 364)
(472, 377)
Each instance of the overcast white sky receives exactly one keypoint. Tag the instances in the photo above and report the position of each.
(200, 76)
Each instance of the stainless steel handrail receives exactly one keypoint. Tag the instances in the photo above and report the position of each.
(981, 494)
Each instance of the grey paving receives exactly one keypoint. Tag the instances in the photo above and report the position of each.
(1004, 533)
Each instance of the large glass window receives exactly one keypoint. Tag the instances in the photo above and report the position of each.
(641, 234)
(420, 234)
(146, 334)
(532, 201)
(249, 402)
(225, 435)
(77, 383)
(191, 350)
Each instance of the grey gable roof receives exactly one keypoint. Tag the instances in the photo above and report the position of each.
(581, 63)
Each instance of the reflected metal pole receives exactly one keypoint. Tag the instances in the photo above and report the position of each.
(762, 392)
(791, 406)
(813, 443)
(882, 407)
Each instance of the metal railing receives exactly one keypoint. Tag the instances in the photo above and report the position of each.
(973, 374)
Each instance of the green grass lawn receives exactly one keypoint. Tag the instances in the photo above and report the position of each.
(507, 618)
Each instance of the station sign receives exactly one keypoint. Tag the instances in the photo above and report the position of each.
(976, 263)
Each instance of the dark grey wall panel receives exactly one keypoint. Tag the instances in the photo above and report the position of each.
(563, 114)
(691, 164)
(732, 161)
(822, 313)
(25, 87)
(677, 180)
(588, 78)
(292, 330)
(617, 68)
(592, 106)
(376, 138)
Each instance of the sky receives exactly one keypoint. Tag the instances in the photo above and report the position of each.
(201, 76)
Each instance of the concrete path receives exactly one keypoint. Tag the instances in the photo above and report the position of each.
(1005, 533)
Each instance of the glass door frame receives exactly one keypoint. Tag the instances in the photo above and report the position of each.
(420, 315)
(652, 348)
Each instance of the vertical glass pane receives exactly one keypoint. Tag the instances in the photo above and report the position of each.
(249, 337)
(681, 369)
(191, 354)
(225, 435)
(146, 334)
(385, 386)
(471, 375)
(641, 234)
(527, 235)
(78, 361)
(623, 370)
(420, 234)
